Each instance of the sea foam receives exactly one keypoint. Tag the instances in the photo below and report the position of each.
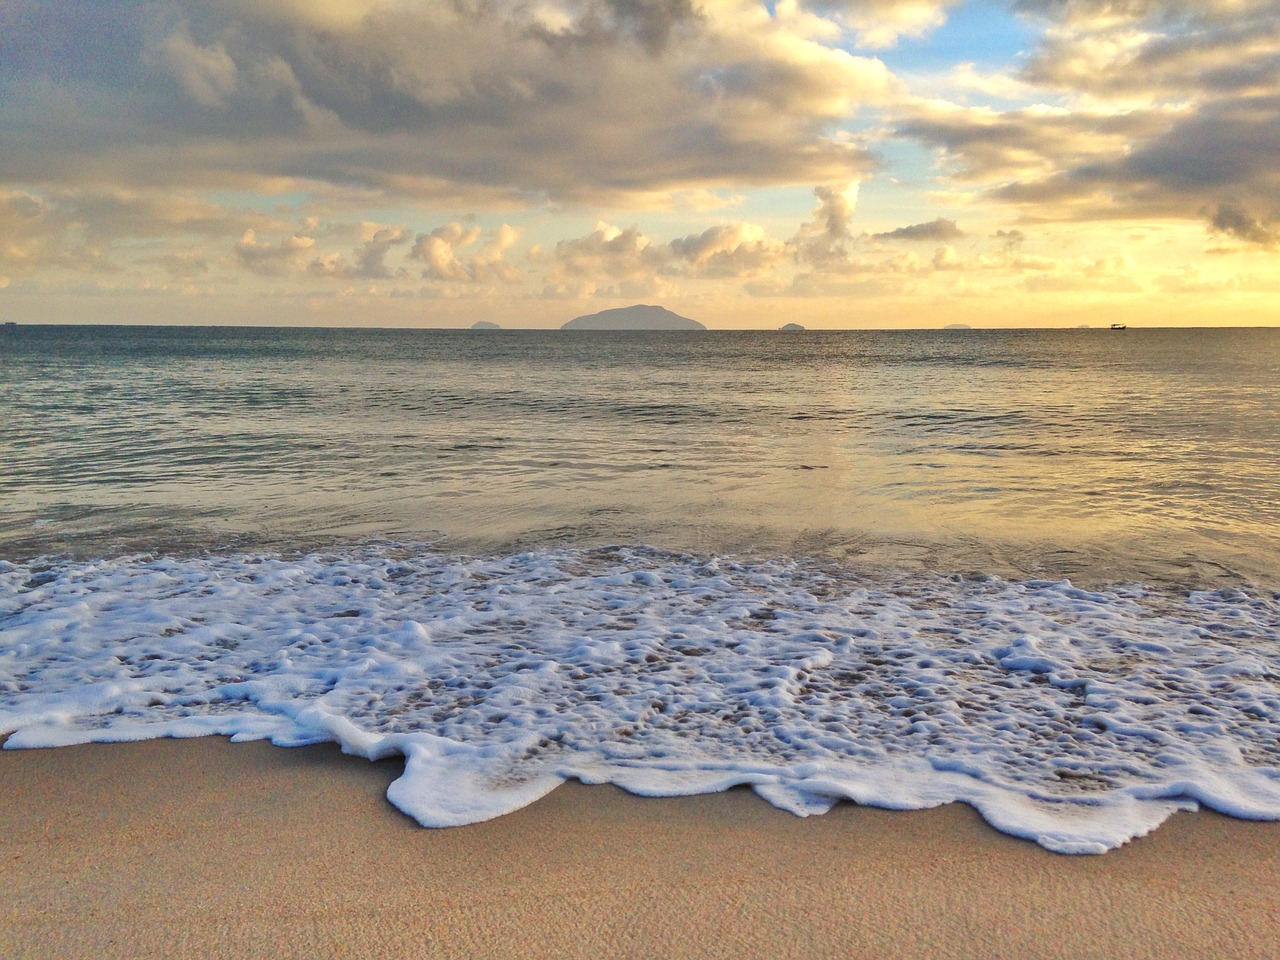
(1079, 719)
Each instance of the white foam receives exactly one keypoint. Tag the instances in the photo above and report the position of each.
(1078, 719)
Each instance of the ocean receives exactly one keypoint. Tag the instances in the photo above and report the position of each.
(1034, 571)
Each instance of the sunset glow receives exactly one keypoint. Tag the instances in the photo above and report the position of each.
(840, 163)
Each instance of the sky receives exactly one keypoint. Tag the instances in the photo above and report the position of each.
(746, 163)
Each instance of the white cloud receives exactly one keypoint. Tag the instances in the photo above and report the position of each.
(946, 258)
(490, 262)
(439, 251)
(272, 259)
(825, 238)
(882, 23)
(609, 258)
(730, 250)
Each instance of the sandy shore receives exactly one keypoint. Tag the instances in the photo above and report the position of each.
(205, 848)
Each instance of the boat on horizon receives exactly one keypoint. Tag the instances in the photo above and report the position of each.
(1119, 326)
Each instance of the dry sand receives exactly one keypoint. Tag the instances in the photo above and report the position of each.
(205, 848)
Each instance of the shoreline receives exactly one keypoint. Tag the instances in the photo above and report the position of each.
(203, 847)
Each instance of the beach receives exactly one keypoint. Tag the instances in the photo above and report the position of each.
(207, 848)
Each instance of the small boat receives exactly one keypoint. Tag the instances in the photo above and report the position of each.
(1119, 326)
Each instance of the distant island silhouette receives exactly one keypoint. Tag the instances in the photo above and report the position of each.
(957, 326)
(485, 325)
(638, 317)
(791, 328)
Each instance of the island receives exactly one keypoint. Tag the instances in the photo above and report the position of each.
(957, 326)
(485, 325)
(638, 317)
(791, 328)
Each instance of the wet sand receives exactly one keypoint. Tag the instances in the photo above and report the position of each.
(206, 848)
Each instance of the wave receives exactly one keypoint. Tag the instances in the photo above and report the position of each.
(1079, 719)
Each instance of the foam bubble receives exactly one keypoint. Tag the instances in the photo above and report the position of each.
(1079, 719)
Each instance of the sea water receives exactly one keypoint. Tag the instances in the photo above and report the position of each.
(1035, 571)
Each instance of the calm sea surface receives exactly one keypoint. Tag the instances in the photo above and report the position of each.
(1098, 455)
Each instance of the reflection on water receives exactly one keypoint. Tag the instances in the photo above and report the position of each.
(1090, 454)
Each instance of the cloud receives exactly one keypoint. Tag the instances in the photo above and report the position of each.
(505, 101)
(649, 23)
(1001, 85)
(735, 250)
(206, 73)
(1192, 280)
(1156, 46)
(832, 265)
(490, 262)
(1026, 145)
(824, 240)
(180, 266)
(946, 258)
(1223, 152)
(1038, 264)
(272, 259)
(175, 140)
(78, 229)
(1234, 222)
(1111, 273)
(1010, 240)
(439, 250)
(35, 234)
(1160, 109)
(611, 259)
(934, 230)
(371, 261)
(607, 258)
(881, 23)
(368, 261)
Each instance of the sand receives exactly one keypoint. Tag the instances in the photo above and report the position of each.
(206, 848)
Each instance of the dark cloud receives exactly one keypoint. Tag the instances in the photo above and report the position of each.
(1181, 115)
(649, 23)
(938, 230)
(1231, 144)
(1025, 145)
(1235, 222)
(1010, 240)
(596, 100)
(371, 259)
(1226, 151)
